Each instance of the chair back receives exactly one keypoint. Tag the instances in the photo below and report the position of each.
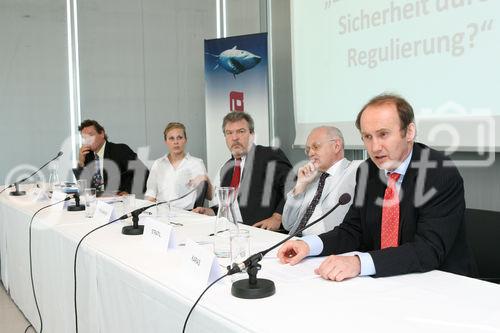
(483, 235)
(201, 194)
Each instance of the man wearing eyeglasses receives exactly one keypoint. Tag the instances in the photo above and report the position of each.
(326, 176)
(257, 172)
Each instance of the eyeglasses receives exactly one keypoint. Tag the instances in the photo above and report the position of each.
(316, 146)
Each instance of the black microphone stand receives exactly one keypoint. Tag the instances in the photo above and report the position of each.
(253, 287)
(77, 207)
(17, 192)
(135, 228)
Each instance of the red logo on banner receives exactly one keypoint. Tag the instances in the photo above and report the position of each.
(236, 101)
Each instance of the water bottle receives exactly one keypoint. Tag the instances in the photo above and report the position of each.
(53, 176)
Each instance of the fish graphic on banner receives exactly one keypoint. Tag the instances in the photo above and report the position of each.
(236, 61)
(236, 80)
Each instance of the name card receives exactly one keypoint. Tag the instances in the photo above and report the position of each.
(158, 235)
(199, 264)
(58, 196)
(103, 212)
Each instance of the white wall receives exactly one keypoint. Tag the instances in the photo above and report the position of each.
(142, 67)
(34, 94)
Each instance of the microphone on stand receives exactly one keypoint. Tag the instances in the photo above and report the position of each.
(77, 207)
(135, 228)
(17, 192)
(254, 287)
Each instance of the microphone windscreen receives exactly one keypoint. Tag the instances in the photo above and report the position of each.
(344, 199)
(59, 154)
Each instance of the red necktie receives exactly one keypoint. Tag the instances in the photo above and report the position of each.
(235, 181)
(390, 214)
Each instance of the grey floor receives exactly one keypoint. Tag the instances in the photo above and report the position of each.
(11, 319)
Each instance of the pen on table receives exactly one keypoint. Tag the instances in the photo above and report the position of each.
(115, 201)
(219, 232)
(176, 223)
(198, 242)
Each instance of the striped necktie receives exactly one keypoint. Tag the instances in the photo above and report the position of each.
(97, 181)
(314, 201)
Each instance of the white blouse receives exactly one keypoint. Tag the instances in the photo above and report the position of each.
(166, 182)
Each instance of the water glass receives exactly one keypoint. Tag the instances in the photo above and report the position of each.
(90, 202)
(240, 249)
(81, 184)
(163, 211)
(54, 176)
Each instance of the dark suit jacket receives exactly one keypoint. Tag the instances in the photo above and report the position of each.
(118, 175)
(432, 230)
(262, 186)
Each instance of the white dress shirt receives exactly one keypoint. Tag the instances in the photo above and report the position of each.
(342, 180)
(166, 182)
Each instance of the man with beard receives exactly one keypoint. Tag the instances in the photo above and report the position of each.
(261, 196)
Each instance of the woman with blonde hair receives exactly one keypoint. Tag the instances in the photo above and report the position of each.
(176, 173)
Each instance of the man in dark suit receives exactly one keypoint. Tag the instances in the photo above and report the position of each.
(258, 173)
(106, 165)
(408, 210)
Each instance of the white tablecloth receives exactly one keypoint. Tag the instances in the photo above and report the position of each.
(126, 286)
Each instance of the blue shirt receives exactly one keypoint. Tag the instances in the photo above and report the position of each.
(366, 260)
